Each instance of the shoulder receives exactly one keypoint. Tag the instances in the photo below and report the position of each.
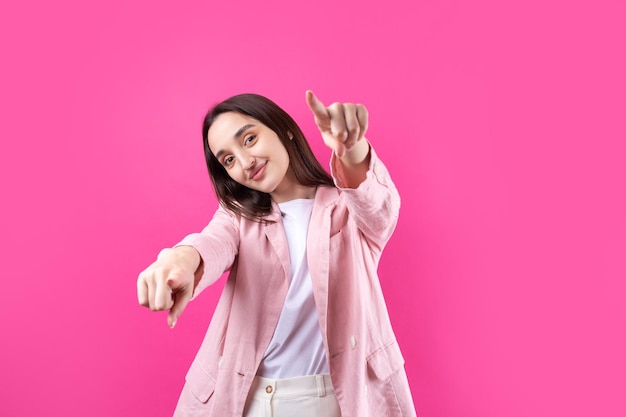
(326, 195)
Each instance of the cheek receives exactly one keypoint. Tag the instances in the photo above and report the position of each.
(285, 160)
(236, 175)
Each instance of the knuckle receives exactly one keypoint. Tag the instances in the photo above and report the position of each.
(335, 106)
(163, 252)
(174, 274)
(342, 135)
(162, 303)
(159, 270)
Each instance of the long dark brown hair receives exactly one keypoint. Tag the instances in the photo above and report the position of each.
(245, 201)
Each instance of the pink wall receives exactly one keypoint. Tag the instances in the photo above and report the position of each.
(503, 125)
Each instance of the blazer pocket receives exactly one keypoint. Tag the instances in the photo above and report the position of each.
(200, 382)
(386, 361)
(335, 240)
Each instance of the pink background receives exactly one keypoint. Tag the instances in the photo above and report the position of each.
(503, 124)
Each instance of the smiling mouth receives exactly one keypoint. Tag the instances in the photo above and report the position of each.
(258, 172)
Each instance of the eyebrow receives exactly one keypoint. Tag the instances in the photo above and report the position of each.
(236, 136)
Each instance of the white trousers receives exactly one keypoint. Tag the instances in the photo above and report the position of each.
(306, 396)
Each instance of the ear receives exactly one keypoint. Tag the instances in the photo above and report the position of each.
(290, 135)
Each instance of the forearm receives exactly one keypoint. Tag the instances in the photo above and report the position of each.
(375, 203)
(216, 247)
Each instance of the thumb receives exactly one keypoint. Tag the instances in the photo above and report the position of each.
(181, 298)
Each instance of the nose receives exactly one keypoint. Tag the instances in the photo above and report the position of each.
(247, 162)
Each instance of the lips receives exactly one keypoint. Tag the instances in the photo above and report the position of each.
(257, 172)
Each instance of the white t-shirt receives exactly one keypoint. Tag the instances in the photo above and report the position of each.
(297, 347)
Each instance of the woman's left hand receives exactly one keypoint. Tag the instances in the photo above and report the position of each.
(343, 126)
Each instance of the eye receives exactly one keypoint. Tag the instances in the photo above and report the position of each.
(249, 140)
(228, 161)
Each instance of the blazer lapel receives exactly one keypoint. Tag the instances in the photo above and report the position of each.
(318, 248)
(276, 235)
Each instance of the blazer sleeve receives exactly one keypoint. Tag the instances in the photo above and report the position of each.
(375, 204)
(217, 244)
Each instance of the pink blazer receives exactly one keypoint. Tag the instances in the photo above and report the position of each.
(347, 233)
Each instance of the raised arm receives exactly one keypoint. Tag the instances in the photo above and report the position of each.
(367, 188)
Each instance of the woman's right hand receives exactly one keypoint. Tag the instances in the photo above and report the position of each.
(169, 282)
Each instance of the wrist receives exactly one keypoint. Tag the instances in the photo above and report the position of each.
(356, 155)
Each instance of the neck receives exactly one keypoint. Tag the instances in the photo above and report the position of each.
(294, 192)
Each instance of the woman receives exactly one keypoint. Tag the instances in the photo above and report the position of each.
(301, 327)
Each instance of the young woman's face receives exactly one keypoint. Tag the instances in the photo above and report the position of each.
(251, 153)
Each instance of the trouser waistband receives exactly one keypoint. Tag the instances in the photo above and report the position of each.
(311, 385)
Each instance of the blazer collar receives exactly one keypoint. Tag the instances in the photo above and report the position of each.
(323, 197)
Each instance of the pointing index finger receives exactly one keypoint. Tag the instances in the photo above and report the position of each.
(316, 106)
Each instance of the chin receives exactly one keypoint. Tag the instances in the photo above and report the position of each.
(261, 188)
